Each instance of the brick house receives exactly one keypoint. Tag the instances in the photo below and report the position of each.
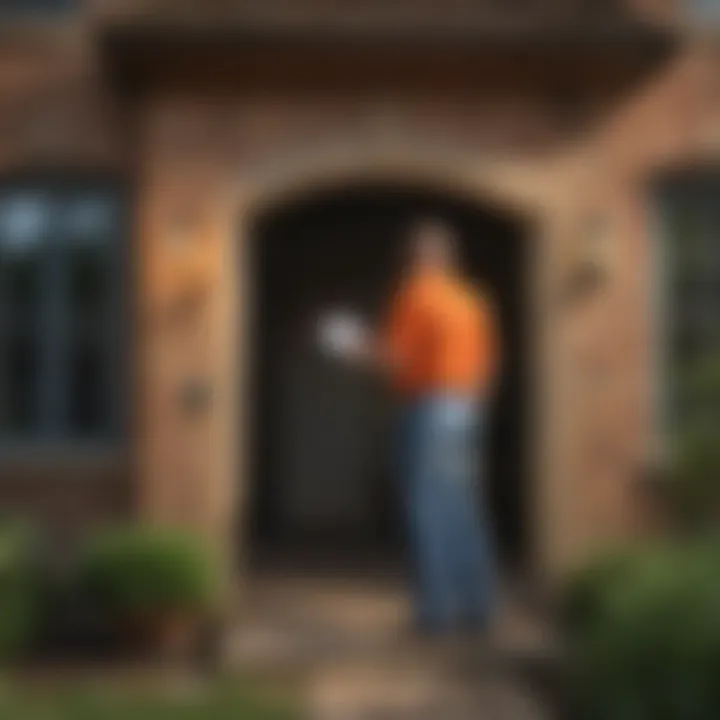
(180, 189)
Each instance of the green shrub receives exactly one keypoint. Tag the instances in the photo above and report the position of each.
(129, 698)
(647, 646)
(19, 589)
(693, 490)
(698, 391)
(589, 588)
(693, 487)
(148, 570)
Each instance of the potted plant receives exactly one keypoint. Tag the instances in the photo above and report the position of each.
(159, 586)
(19, 589)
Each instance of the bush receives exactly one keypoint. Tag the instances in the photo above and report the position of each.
(699, 390)
(149, 570)
(126, 698)
(647, 642)
(588, 590)
(19, 589)
(693, 489)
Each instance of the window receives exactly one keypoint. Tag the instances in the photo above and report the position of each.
(24, 8)
(705, 11)
(690, 301)
(60, 320)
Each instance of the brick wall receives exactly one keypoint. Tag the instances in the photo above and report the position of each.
(65, 498)
(206, 161)
(57, 114)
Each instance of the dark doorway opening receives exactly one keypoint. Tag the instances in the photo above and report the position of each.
(324, 484)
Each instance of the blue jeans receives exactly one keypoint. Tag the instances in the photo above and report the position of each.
(449, 537)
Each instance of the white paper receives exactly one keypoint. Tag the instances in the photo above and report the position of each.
(341, 333)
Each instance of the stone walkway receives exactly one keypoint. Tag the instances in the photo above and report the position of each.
(399, 694)
(348, 640)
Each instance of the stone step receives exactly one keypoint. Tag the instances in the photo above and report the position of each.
(350, 645)
(376, 694)
(258, 641)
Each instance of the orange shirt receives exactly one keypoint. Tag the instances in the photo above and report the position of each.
(441, 336)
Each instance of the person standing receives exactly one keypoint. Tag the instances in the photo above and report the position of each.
(440, 348)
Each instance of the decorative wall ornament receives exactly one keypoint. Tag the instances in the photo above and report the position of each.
(592, 259)
(183, 227)
(195, 394)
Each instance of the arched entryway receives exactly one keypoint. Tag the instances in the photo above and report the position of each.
(322, 481)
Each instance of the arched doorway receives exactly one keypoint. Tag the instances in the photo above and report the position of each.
(323, 482)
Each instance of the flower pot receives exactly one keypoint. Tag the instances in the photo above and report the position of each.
(171, 635)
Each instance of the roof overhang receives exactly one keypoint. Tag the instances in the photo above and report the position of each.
(605, 56)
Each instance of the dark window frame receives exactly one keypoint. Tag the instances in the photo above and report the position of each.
(54, 430)
(687, 281)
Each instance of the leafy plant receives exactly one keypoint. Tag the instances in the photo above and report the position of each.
(149, 570)
(693, 489)
(19, 589)
(650, 647)
(589, 587)
(121, 699)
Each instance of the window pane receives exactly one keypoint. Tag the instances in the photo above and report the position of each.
(694, 284)
(88, 284)
(88, 230)
(88, 367)
(20, 280)
(89, 220)
(23, 219)
(57, 312)
(88, 223)
(20, 404)
(705, 11)
(29, 7)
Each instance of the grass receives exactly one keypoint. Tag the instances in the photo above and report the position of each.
(222, 700)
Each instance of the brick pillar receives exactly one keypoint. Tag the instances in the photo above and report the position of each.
(186, 396)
